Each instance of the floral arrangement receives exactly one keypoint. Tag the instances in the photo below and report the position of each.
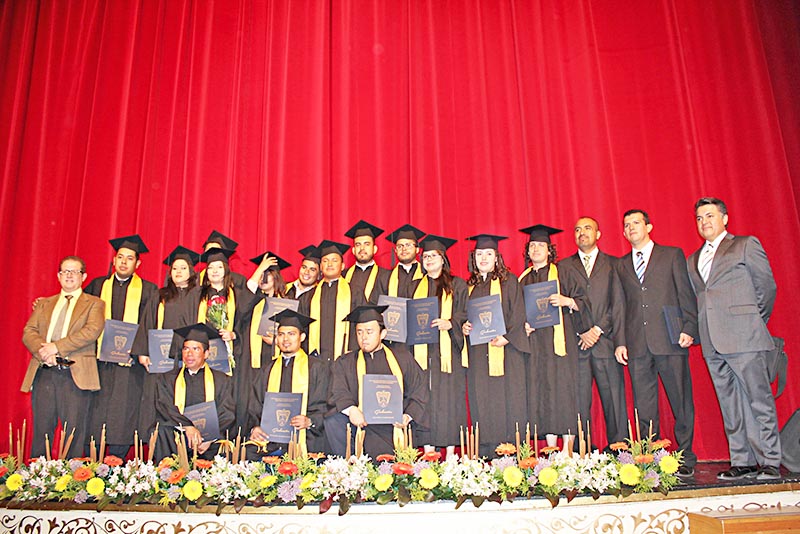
(217, 315)
(406, 476)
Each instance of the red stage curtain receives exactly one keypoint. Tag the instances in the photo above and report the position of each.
(281, 123)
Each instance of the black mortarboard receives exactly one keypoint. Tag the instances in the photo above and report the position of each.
(132, 242)
(282, 264)
(363, 228)
(222, 240)
(486, 240)
(436, 242)
(332, 247)
(365, 314)
(311, 252)
(540, 232)
(406, 232)
(216, 254)
(289, 317)
(182, 253)
(200, 332)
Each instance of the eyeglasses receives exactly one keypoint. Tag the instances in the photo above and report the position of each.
(70, 272)
(405, 245)
(431, 256)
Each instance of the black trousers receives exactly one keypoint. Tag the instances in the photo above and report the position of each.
(55, 401)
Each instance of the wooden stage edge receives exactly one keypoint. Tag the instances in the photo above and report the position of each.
(753, 506)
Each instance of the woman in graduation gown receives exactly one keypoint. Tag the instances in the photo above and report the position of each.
(441, 361)
(228, 308)
(552, 370)
(496, 373)
(173, 306)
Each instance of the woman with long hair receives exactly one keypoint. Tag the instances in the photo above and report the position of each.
(496, 373)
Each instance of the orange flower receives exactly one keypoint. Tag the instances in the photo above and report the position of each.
(82, 474)
(203, 464)
(505, 449)
(3, 470)
(385, 458)
(3, 455)
(271, 460)
(401, 468)
(176, 476)
(618, 446)
(432, 456)
(643, 458)
(661, 444)
(287, 468)
(165, 462)
(112, 461)
(316, 455)
(548, 450)
(528, 463)
(84, 459)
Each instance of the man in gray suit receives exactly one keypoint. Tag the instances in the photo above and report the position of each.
(602, 332)
(655, 281)
(735, 294)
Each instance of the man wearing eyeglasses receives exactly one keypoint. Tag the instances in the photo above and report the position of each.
(405, 276)
(60, 335)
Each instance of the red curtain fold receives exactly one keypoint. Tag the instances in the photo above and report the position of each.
(282, 123)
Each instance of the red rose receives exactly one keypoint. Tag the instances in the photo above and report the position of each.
(401, 468)
(287, 468)
(3, 470)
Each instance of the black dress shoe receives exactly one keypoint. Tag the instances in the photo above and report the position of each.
(769, 472)
(685, 472)
(739, 472)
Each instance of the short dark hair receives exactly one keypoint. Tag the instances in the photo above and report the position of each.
(707, 201)
(73, 258)
(634, 211)
(596, 224)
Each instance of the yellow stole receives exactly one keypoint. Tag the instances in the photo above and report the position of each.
(497, 355)
(299, 382)
(373, 275)
(445, 346)
(394, 279)
(230, 309)
(361, 370)
(160, 315)
(133, 299)
(256, 343)
(340, 327)
(559, 341)
(180, 387)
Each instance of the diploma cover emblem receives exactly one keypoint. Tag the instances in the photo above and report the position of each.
(393, 318)
(282, 416)
(165, 349)
(542, 304)
(486, 318)
(422, 319)
(119, 342)
(383, 398)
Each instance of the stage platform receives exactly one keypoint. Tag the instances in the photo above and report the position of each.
(650, 513)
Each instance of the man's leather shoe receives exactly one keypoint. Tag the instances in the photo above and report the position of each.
(685, 472)
(769, 472)
(738, 472)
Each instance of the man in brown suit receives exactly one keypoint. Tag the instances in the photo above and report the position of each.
(60, 335)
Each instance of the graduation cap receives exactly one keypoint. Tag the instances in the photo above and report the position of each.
(486, 240)
(199, 332)
(311, 252)
(216, 254)
(132, 242)
(182, 253)
(540, 232)
(282, 264)
(332, 247)
(436, 242)
(366, 313)
(406, 232)
(289, 317)
(222, 240)
(363, 228)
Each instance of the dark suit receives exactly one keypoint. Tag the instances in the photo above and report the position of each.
(650, 353)
(71, 387)
(734, 306)
(606, 309)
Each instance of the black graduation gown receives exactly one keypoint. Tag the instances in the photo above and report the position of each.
(359, 283)
(406, 285)
(344, 393)
(169, 417)
(318, 385)
(553, 380)
(117, 403)
(178, 312)
(447, 409)
(327, 318)
(498, 403)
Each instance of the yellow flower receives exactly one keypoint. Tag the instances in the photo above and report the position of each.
(629, 474)
(14, 482)
(668, 464)
(512, 476)
(268, 481)
(548, 476)
(192, 490)
(428, 478)
(61, 483)
(95, 486)
(308, 480)
(383, 482)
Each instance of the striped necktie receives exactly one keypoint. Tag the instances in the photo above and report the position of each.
(706, 258)
(587, 264)
(640, 265)
(58, 330)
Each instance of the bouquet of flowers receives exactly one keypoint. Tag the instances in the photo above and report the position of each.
(217, 315)
(646, 465)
